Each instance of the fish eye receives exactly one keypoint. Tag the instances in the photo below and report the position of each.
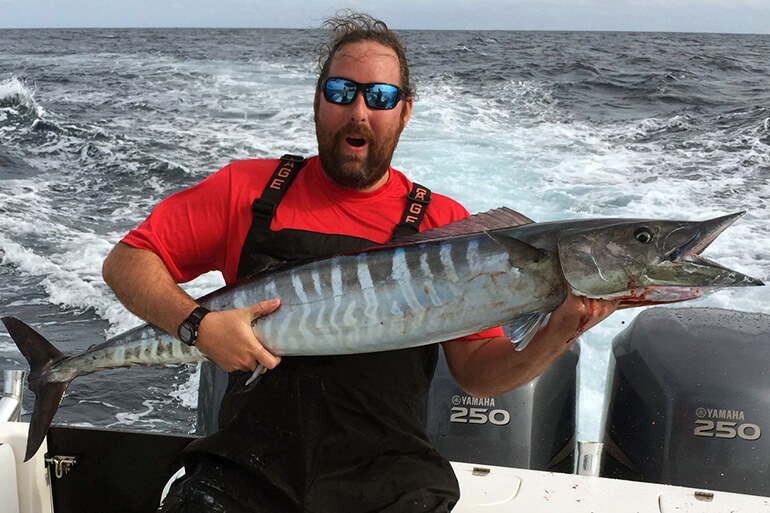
(643, 235)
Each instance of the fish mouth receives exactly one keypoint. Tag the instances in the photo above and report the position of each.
(683, 273)
(706, 233)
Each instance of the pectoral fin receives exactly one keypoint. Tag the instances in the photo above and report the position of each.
(523, 329)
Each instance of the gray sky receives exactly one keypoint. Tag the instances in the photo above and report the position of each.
(742, 16)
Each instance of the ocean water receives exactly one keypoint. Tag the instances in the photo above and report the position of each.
(96, 126)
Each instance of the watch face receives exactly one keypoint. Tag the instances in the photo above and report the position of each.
(186, 333)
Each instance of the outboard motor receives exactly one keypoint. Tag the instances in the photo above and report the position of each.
(690, 400)
(531, 427)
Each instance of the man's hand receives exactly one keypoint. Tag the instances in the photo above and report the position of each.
(577, 314)
(227, 339)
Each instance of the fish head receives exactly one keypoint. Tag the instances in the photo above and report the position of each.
(646, 261)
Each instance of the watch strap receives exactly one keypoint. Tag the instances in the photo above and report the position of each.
(197, 315)
(191, 324)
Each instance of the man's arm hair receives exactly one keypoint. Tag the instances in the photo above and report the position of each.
(492, 366)
(144, 285)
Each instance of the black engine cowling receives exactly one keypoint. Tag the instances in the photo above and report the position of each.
(531, 427)
(690, 400)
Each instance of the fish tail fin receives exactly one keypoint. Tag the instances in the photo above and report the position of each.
(40, 354)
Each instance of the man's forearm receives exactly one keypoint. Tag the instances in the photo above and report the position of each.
(490, 367)
(144, 285)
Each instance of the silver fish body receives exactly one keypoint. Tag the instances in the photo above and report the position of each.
(404, 296)
(382, 299)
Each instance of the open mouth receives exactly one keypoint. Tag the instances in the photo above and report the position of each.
(689, 259)
(356, 142)
(709, 231)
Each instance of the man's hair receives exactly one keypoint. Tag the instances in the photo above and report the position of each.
(353, 27)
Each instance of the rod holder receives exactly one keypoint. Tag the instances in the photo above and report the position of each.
(10, 401)
(589, 458)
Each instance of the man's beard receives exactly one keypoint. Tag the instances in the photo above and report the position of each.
(354, 171)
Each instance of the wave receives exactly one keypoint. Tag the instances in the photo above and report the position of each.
(69, 280)
(17, 104)
(12, 166)
(14, 92)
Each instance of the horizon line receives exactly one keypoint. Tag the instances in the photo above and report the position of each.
(196, 27)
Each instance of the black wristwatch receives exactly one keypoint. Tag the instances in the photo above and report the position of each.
(188, 330)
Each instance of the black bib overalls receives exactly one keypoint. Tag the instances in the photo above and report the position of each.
(320, 434)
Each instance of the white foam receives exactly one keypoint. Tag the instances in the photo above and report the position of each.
(71, 278)
(15, 89)
(145, 417)
(187, 392)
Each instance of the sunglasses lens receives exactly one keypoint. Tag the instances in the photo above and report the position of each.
(378, 96)
(382, 96)
(340, 91)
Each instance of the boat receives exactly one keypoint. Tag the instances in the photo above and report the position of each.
(686, 430)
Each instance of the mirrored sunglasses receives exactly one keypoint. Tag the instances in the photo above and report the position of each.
(342, 91)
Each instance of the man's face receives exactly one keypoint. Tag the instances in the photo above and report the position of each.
(356, 143)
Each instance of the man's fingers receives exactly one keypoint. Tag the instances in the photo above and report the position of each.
(264, 307)
(266, 358)
(257, 310)
(605, 307)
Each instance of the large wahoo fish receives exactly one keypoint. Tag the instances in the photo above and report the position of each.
(484, 271)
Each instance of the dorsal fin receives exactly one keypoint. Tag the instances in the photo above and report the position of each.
(502, 217)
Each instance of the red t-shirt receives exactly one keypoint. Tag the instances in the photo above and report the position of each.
(203, 228)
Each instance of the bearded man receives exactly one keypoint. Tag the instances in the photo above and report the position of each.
(331, 433)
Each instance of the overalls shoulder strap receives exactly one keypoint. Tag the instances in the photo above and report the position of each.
(416, 203)
(263, 208)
